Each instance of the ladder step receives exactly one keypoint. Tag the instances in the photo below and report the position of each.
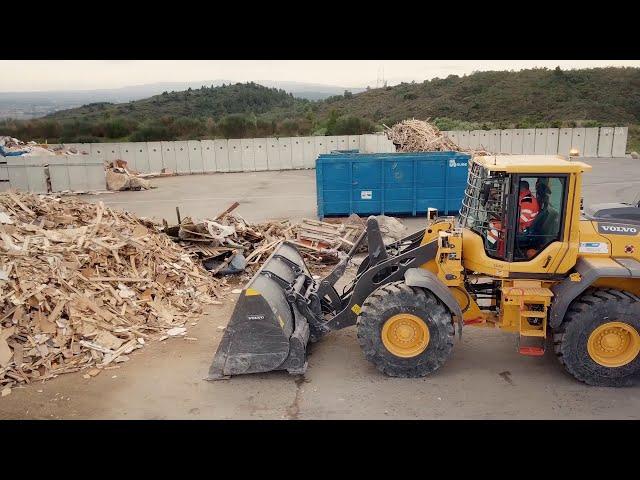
(531, 351)
(533, 313)
(532, 333)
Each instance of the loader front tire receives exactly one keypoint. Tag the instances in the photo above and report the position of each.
(599, 339)
(405, 331)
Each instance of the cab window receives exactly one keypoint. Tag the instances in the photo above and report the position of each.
(540, 219)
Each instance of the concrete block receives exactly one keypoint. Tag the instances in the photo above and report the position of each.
(564, 141)
(59, 173)
(354, 142)
(235, 155)
(484, 140)
(552, 141)
(370, 144)
(154, 150)
(196, 161)
(284, 146)
(591, 142)
(517, 141)
(222, 155)
(128, 154)
(309, 152)
(505, 141)
(577, 139)
(169, 156)
(297, 152)
(528, 141)
(494, 141)
(142, 157)
(273, 154)
(260, 153)
(28, 173)
(182, 156)
(332, 143)
(111, 151)
(99, 150)
(474, 138)
(248, 155)
(619, 148)
(540, 142)
(464, 139)
(208, 155)
(605, 142)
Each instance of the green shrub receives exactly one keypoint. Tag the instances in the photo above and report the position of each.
(351, 125)
(237, 126)
(151, 133)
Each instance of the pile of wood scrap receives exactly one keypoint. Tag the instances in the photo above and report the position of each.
(218, 240)
(320, 241)
(83, 285)
(421, 136)
(120, 177)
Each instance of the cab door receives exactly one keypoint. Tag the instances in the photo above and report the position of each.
(537, 237)
(524, 250)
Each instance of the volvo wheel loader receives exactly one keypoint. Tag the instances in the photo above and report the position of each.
(568, 275)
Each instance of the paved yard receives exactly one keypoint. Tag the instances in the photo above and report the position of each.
(485, 377)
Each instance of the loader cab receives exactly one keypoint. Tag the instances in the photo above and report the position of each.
(521, 207)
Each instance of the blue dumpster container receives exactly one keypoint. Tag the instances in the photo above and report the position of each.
(390, 183)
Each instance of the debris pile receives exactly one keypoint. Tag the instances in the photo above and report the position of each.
(391, 229)
(12, 147)
(228, 244)
(421, 136)
(82, 285)
(320, 241)
(119, 177)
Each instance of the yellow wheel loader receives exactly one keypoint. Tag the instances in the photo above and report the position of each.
(554, 272)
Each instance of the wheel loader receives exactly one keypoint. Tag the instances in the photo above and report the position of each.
(569, 278)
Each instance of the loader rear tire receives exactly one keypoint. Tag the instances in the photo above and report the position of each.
(417, 312)
(599, 342)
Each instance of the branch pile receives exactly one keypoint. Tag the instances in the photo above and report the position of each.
(84, 285)
(421, 136)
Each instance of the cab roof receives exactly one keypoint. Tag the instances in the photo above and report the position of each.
(531, 164)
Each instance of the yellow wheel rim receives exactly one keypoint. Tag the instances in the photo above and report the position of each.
(614, 344)
(405, 335)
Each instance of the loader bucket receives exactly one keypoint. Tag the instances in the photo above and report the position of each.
(266, 332)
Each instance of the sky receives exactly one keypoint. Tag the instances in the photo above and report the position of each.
(34, 75)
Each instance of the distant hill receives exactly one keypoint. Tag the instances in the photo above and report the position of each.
(249, 98)
(37, 104)
(524, 99)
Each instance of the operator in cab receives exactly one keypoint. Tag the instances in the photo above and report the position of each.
(529, 207)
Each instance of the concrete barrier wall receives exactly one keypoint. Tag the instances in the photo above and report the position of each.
(232, 155)
(85, 172)
(591, 142)
(75, 173)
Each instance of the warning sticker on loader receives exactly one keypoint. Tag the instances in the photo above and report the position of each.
(366, 194)
(594, 247)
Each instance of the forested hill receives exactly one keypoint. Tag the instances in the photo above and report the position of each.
(499, 99)
(523, 98)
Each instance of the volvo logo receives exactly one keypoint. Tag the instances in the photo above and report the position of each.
(617, 229)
